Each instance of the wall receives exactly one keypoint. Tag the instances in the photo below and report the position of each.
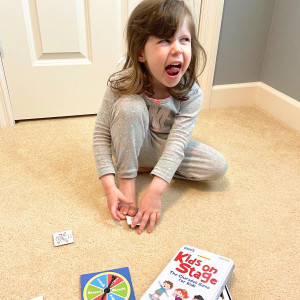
(258, 42)
(281, 68)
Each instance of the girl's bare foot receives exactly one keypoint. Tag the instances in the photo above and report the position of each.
(143, 170)
(127, 187)
(126, 209)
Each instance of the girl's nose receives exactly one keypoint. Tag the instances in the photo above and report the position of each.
(177, 49)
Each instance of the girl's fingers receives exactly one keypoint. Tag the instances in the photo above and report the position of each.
(136, 219)
(143, 223)
(114, 213)
(120, 215)
(157, 217)
(143, 218)
(152, 222)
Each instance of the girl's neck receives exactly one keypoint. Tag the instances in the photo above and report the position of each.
(161, 95)
(159, 91)
(157, 95)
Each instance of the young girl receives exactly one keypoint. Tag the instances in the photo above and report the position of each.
(149, 111)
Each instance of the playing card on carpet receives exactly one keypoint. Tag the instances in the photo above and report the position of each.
(63, 238)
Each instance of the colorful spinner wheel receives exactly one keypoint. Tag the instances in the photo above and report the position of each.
(107, 286)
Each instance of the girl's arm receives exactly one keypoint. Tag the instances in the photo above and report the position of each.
(103, 157)
(150, 205)
(184, 122)
(114, 196)
(102, 138)
(170, 159)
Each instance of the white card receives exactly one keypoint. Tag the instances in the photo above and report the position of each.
(38, 298)
(129, 220)
(63, 238)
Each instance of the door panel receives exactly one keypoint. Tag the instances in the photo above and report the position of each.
(63, 34)
(58, 31)
(57, 57)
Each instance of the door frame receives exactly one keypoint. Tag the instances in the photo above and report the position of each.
(6, 112)
(209, 32)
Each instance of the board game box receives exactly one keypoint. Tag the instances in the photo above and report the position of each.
(107, 285)
(225, 294)
(191, 274)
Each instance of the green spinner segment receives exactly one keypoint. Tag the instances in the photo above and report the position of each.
(121, 290)
(92, 292)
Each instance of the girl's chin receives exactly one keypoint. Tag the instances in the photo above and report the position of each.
(172, 82)
(167, 82)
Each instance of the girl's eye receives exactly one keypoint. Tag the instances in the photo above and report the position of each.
(164, 42)
(186, 40)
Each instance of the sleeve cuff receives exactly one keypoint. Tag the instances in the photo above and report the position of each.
(105, 171)
(167, 176)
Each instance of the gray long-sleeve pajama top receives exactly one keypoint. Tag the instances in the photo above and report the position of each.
(171, 120)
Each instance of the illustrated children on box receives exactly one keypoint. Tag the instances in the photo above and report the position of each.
(167, 285)
(149, 111)
(180, 294)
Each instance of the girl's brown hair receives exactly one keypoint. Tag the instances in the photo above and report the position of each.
(159, 18)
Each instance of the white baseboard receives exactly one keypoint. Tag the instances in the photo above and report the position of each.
(281, 106)
(241, 94)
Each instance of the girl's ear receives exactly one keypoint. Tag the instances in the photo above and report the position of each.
(142, 58)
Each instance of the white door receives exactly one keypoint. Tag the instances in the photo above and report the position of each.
(58, 54)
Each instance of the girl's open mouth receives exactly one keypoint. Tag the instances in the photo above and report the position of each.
(173, 69)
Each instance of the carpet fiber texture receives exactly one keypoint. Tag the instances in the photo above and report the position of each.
(48, 183)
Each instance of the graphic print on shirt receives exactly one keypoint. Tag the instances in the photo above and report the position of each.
(158, 117)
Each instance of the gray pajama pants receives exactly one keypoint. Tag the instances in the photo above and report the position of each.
(140, 147)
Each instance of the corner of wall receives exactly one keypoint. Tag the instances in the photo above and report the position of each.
(267, 45)
(281, 106)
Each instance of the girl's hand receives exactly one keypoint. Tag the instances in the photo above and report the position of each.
(114, 198)
(149, 211)
(150, 205)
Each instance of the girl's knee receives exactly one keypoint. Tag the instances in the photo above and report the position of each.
(212, 169)
(130, 107)
(219, 167)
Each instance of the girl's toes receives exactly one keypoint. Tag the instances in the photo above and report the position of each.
(132, 211)
(124, 209)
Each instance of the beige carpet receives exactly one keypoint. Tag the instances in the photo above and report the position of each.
(48, 183)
